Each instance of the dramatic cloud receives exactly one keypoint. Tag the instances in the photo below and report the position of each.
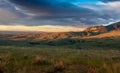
(80, 13)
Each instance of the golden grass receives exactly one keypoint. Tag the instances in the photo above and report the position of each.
(115, 33)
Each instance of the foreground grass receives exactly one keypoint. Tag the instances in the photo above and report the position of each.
(58, 60)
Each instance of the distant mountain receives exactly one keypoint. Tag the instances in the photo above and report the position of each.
(95, 30)
(105, 31)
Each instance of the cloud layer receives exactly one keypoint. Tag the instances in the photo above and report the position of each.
(80, 13)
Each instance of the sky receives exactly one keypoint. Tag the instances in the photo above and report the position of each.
(57, 15)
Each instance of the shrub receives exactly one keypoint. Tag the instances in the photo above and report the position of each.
(92, 70)
(38, 60)
(59, 66)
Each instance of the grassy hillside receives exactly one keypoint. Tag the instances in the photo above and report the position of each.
(110, 40)
(115, 33)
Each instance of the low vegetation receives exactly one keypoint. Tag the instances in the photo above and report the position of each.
(100, 55)
(58, 60)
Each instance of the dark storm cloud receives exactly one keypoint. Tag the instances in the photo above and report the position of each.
(50, 7)
(61, 12)
(8, 13)
(57, 10)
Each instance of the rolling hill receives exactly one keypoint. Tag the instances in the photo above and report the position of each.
(94, 32)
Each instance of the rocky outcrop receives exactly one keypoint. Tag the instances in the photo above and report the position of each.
(96, 30)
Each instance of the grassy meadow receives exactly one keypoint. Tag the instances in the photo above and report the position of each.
(64, 56)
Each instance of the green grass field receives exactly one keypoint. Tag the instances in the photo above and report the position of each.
(86, 56)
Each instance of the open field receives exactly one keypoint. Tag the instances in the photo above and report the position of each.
(79, 56)
(59, 36)
(58, 60)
